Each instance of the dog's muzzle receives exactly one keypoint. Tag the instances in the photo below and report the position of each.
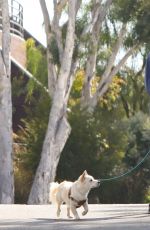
(98, 183)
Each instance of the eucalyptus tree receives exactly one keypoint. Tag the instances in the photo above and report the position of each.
(78, 40)
(6, 158)
(59, 86)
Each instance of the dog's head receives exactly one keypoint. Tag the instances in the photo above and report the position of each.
(88, 181)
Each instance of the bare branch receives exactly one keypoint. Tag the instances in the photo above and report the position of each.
(78, 4)
(114, 53)
(58, 7)
(98, 15)
(52, 75)
(122, 62)
(46, 17)
(105, 82)
(71, 79)
(69, 46)
(103, 11)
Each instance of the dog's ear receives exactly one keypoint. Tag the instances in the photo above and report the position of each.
(82, 177)
(85, 172)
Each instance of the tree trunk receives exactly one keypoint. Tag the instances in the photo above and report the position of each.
(46, 171)
(6, 159)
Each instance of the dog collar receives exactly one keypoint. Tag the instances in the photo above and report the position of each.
(79, 203)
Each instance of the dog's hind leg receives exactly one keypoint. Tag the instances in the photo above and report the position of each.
(68, 212)
(58, 208)
(59, 201)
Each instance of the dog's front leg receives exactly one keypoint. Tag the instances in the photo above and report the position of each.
(58, 211)
(74, 211)
(85, 206)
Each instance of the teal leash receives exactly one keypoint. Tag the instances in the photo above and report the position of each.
(128, 172)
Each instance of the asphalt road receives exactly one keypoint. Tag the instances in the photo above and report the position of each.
(106, 217)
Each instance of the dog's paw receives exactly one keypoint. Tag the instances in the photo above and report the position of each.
(84, 213)
(70, 217)
(58, 213)
(77, 218)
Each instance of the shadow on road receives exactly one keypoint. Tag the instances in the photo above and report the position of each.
(109, 222)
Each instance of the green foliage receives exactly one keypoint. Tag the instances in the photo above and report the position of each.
(147, 197)
(129, 41)
(137, 14)
(133, 95)
(80, 25)
(33, 126)
(95, 144)
(18, 85)
(77, 88)
(37, 65)
(31, 137)
(107, 100)
(105, 38)
(138, 145)
(142, 26)
(124, 10)
(54, 51)
(139, 142)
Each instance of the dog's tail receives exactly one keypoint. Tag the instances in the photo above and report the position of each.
(53, 191)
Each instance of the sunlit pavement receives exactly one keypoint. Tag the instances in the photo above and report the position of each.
(26, 217)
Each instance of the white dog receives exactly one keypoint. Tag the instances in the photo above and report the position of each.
(74, 194)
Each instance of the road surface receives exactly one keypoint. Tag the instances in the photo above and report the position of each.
(105, 217)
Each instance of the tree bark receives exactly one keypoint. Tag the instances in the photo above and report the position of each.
(6, 158)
